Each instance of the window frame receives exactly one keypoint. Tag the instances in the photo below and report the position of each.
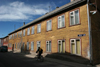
(49, 50)
(33, 30)
(32, 43)
(39, 44)
(73, 11)
(48, 22)
(28, 31)
(23, 32)
(27, 45)
(61, 21)
(38, 28)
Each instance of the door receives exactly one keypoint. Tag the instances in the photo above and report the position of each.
(61, 46)
(75, 46)
(78, 47)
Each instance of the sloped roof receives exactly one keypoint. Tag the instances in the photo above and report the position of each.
(62, 8)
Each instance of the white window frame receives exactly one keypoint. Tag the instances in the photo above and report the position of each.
(75, 45)
(60, 21)
(38, 44)
(49, 25)
(32, 43)
(23, 32)
(32, 32)
(28, 31)
(74, 17)
(27, 45)
(38, 28)
(48, 48)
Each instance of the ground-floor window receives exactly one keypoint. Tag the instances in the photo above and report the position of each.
(15, 45)
(61, 46)
(27, 45)
(75, 46)
(48, 46)
(38, 44)
(32, 45)
(23, 45)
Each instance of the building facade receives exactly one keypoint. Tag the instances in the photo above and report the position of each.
(5, 41)
(1, 41)
(66, 29)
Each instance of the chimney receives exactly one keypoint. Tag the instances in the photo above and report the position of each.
(57, 7)
(72, 0)
(23, 23)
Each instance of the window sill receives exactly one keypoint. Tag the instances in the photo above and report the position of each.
(74, 25)
(48, 30)
(61, 27)
(38, 32)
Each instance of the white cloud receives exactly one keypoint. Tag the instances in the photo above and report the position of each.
(19, 11)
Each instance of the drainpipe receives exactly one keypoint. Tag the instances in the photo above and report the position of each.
(90, 35)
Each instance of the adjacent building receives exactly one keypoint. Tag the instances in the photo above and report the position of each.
(72, 28)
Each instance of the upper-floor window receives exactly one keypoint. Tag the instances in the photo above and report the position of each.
(28, 31)
(15, 35)
(38, 28)
(48, 25)
(23, 32)
(74, 17)
(10, 37)
(32, 30)
(61, 21)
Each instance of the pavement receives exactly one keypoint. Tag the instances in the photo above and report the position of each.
(68, 63)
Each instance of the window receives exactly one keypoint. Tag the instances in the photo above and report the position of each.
(32, 45)
(48, 25)
(75, 46)
(23, 46)
(23, 32)
(61, 21)
(27, 45)
(20, 33)
(13, 36)
(33, 30)
(74, 17)
(48, 46)
(38, 44)
(38, 28)
(15, 45)
(28, 31)
(10, 37)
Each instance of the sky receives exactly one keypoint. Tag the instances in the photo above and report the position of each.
(14, 12)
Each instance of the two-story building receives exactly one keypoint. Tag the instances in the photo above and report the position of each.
(72, 28)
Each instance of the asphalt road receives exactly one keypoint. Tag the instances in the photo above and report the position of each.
(9, 59)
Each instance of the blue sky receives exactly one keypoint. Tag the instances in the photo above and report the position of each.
(14, 12)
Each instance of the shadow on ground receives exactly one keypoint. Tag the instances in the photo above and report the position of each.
(60, 56)
(69, 57)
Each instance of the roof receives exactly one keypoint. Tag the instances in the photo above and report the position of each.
(69, 5)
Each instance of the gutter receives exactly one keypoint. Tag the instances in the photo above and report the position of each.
(90, 35)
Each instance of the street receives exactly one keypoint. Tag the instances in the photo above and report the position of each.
(9, 59)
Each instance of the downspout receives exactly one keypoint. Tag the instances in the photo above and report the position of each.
(90, 35)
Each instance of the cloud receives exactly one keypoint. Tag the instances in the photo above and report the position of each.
(19, 11)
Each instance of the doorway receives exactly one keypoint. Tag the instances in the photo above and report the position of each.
(61, 46)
